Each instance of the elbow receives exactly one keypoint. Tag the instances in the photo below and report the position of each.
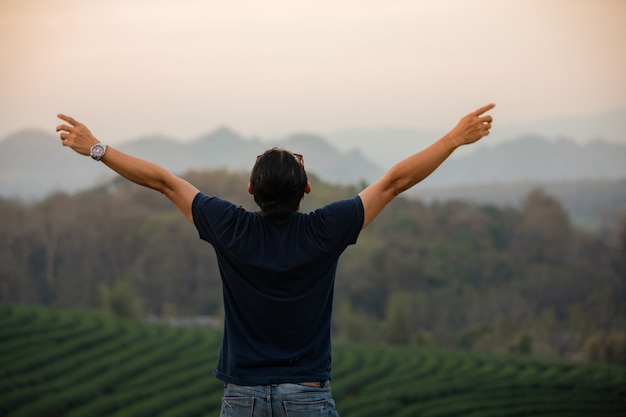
(158, 185)
(396, 188)
(164, 189)
(394, 183)
(164, 183)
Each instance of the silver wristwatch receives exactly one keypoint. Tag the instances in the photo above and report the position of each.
(98, 150)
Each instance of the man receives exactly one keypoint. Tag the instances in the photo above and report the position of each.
(278, 265)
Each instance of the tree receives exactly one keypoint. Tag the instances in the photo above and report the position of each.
(544, 230)
(398, 319)
(119, 300)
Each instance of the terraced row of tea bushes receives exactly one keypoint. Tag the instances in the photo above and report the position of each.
(61, 363)
(420, 382)
(55, 363)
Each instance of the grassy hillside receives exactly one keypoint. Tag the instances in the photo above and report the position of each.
(63, 363)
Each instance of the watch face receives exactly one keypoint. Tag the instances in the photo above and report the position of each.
(97, 151)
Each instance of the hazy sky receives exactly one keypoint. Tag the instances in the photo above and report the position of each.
(270, 68)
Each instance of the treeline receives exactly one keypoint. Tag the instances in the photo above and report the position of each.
(450, 274)
(590, 203)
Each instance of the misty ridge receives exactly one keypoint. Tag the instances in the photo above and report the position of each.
(502, 171)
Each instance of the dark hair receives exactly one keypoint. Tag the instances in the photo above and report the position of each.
(278, 181)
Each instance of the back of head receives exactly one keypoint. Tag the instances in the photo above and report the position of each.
(278, 181)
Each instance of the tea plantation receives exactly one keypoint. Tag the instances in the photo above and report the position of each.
(62, 363)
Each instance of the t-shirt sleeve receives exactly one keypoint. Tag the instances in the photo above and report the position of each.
(343, 219)
(210, 215)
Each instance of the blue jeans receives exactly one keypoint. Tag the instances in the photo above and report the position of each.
(280, 400)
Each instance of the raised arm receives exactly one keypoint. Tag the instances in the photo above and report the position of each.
(410, 171)
(78, 137)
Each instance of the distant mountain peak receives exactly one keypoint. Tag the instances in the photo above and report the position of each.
(221, 133)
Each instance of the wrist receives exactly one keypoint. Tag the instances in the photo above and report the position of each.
(453, 140)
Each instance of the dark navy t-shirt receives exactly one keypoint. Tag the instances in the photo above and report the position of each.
(278, 280)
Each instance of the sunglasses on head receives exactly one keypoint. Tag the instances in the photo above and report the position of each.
(298, 156)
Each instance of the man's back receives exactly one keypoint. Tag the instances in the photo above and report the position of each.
(278, 279)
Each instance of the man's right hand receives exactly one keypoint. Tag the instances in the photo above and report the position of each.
(410, 171)
(472, 127)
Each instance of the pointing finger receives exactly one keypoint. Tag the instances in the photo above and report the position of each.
(68, 119)
(484, 109)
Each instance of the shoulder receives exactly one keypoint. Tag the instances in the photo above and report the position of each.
(342, 216)
(347, 207)
(203, 202)
(213, 213)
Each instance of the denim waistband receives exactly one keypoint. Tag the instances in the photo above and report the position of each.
(278, 389)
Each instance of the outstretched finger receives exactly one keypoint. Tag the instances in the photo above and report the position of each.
(68, 119)
(484, 109)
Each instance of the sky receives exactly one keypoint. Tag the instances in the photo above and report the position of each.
(131, 68)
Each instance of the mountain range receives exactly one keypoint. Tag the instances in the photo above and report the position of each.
(385, 146)
(34, 164)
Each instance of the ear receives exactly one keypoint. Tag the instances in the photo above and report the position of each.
(307, 188)
(250, 189)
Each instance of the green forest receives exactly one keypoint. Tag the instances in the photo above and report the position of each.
(451, 274)
(57, 362)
